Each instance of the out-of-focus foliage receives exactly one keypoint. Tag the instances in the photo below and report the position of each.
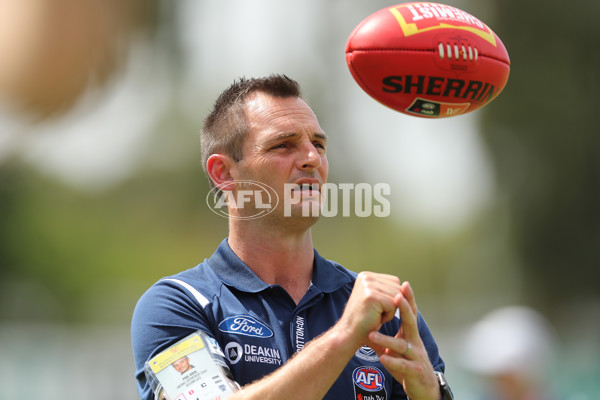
(92, 255)
(544, 138)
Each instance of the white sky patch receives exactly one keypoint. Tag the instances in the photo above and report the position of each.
(437, 168)
(229, 39)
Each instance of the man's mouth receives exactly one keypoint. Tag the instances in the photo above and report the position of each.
(307, 188)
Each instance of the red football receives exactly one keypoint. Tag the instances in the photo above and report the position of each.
(427, 60)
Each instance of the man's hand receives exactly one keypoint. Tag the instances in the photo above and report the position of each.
(404, 355)
(373, 302)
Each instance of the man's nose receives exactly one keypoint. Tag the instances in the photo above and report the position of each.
(309, 157)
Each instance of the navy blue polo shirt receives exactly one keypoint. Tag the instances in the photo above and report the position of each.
(259, 326)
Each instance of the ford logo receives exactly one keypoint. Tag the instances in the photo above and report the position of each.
(245, 325)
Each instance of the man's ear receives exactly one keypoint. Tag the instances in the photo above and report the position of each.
(219, 169)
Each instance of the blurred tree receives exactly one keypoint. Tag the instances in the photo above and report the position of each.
(543, 135)
(9, 197)
(94, 254)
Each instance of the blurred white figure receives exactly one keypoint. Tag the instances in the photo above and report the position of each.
(513, 348)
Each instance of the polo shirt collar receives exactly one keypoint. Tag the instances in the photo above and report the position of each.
(234, 272)
(327, 275)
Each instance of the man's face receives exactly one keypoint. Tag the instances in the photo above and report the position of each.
(285, 145)
(182, 365)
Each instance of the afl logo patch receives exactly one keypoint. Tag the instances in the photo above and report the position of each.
(245, 325)
(370, 379)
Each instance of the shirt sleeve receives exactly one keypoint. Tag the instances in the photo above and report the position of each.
(430, 345)
(165, 314)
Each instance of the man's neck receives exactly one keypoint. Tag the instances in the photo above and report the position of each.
(285, 260)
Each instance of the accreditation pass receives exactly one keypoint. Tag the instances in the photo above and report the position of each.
(190, 370)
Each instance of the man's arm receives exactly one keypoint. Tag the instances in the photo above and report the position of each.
(165, 314)
(307, 375)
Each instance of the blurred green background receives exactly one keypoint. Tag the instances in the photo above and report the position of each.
(102, 192)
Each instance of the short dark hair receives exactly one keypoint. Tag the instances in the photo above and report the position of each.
(226, 127)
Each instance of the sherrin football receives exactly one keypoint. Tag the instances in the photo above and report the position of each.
(427, 60)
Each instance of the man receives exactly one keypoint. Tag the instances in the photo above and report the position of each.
(182, 365)
(292, 324)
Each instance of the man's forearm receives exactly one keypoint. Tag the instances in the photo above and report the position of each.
(307, 375)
